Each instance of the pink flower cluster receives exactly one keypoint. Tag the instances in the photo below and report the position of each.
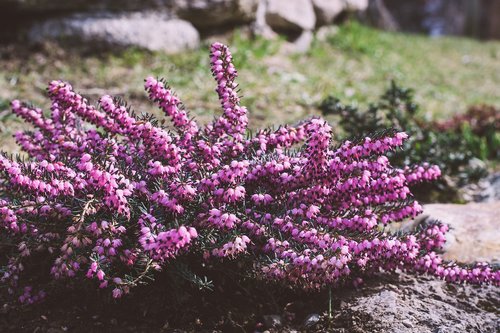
(163, 245)
(115, 201)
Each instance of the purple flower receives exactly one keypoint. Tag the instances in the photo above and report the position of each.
(112, 197)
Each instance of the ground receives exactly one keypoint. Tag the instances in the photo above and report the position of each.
(386, 303)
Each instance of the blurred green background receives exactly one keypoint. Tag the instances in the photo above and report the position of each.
(352, 61)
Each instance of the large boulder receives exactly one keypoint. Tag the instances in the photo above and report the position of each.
(44, 6)
(260, 26)
(327, 10)
(216, 13)
(407, 304)
(474, 230)
(356, 5)
(286, 15)
(150, 31)
(474, 233)
(485, 190)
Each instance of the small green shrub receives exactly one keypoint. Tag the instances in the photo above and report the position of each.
(480, 127)
(452, 145)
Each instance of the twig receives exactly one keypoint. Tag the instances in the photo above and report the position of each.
(141, 276)
(85, 210)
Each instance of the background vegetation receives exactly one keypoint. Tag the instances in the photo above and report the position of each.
(354, 63)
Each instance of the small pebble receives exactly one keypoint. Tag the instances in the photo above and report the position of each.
(311, 320)
(272, 321)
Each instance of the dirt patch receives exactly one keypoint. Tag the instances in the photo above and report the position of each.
(386, 303)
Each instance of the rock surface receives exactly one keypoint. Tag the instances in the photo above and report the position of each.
(260, 26)
(301, 44)
(474, 18)
(485, 190)
(327, 10)
(311, 320)
(150, 31)
(356, 5)
(288, 15)
(214, 13)
(43, 6)
(422, 304)
(494, 180)
(272, 321)
(475, 230)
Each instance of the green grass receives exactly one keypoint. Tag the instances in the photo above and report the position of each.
(448, 74)
(355, 64)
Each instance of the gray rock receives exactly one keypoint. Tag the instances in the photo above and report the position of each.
(150, 31)
(46, 6)
(272, 321)
(474, 230)
(474, 233)
(323, 33)
(407, 323)
(260, 26)
(485, 190)
(303, 42)
(482, 191)
(476, 164)
(421, 304)
(311, 320)
(289, 15)
(216, 13)
(356, 5)
(495, 185)
(327, 10)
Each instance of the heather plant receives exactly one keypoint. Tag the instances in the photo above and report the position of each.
(108, 196)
